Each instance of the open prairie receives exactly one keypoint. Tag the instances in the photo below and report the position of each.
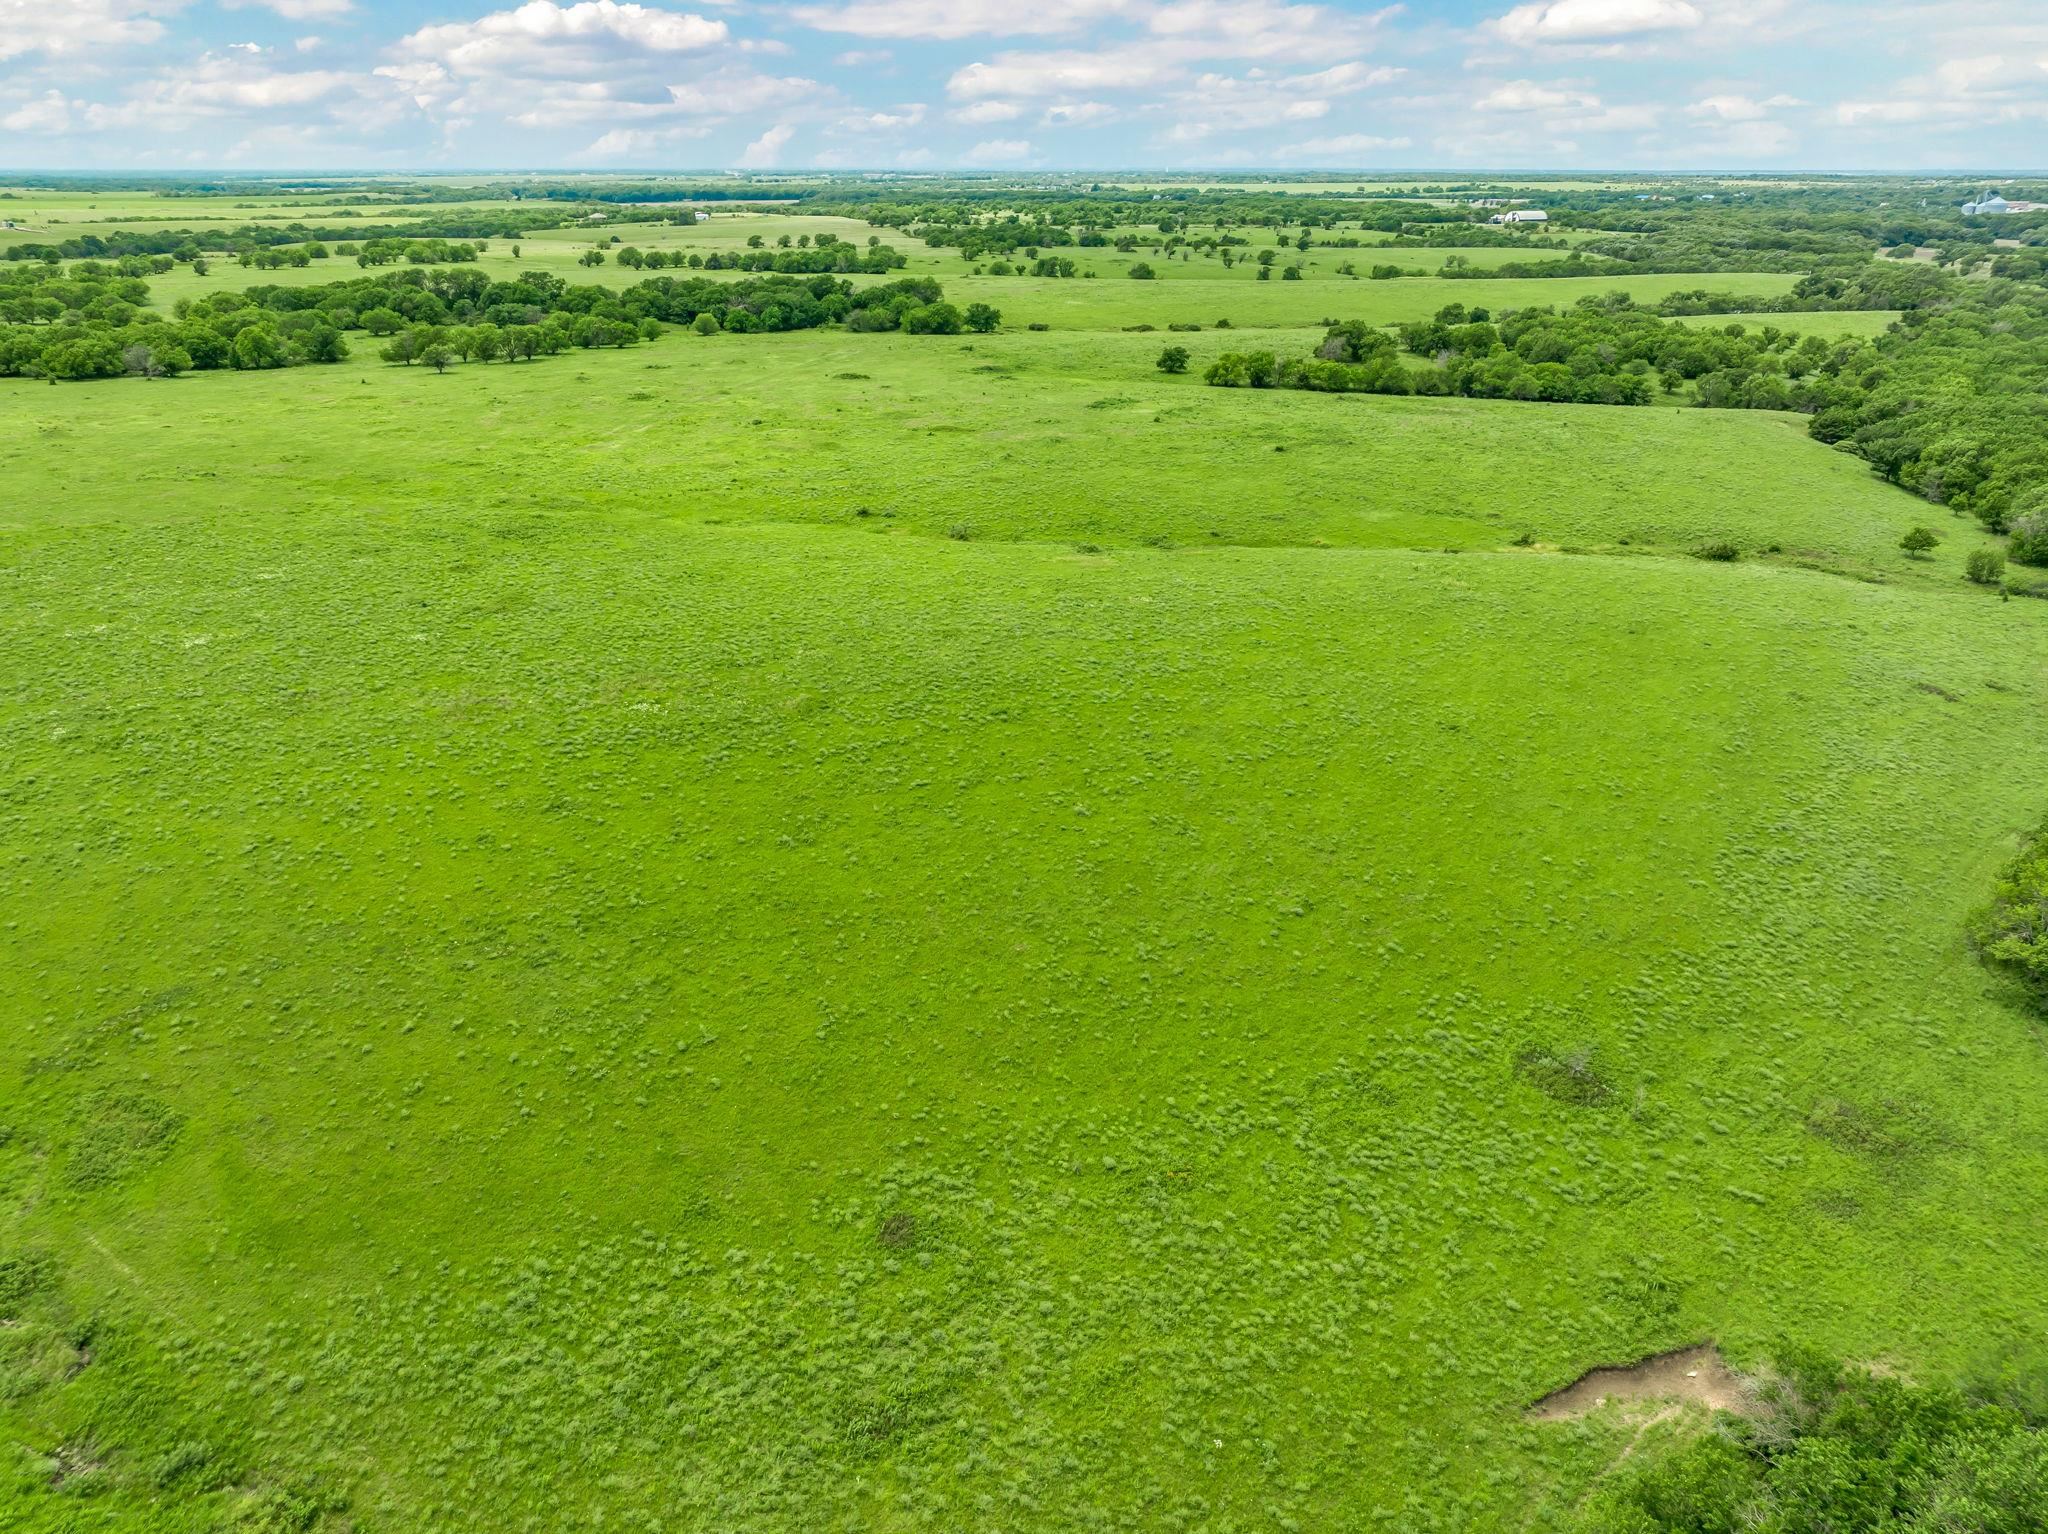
(769, 931)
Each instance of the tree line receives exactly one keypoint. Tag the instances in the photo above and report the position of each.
(63, 326)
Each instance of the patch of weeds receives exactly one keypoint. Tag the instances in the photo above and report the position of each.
(1569, 1076)
(960, 532)
(851, 377)
(23, 1276)
(1939, 691)
(641, 394)
(1110, 402)
(1884, 1131)
(899, 1231)
(118, 1132)
(1721, 551)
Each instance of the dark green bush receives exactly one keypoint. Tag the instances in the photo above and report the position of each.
(2012, 932)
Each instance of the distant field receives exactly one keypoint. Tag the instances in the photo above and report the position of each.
(1830, 324)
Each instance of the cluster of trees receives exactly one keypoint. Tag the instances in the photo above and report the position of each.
(1951, 402)
(829, 254)
(61, 326)
(2013, 931)
(1953, 405)
(1840, 1449)
(389, 252)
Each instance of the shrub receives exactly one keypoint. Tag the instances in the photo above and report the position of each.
(1725, 552)
(1918, 540)
(1173, 360)
(2012, 932)
(1986, 567)
(705, 324)
(1142, 270)
(2029, 544)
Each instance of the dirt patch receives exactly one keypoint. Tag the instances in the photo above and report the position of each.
(1690, 1374)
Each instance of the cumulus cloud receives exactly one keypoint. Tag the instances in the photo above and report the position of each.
(542, 37)
(950, 20)
(1528, 96)
(1595, 21)
(997, 151)
(982, 112)
(767, 149)
(47, 113)
(639, 143)
(1063, 73)
(72, 27)
(1737, 108)
(1078, 114)
(296, 10)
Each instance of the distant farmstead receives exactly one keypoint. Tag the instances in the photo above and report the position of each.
(1521, 216)
(1993, 204)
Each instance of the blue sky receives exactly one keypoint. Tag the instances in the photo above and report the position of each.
(1048, 84)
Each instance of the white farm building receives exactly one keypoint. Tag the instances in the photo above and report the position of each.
(1521, 216)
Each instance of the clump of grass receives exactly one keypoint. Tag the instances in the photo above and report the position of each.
(960, 532)
(1720, 550)
(1569, 1076)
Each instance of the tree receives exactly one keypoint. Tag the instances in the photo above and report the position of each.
(706, 324)
(2029, 543)
(383, 322)
(259, 347)
(1173, 360)
(1919, 540)
(141, 361)
(982, 319)
(438, 356)
(487, 341)
(1142, 270)
(591, 258)
(1986, 567)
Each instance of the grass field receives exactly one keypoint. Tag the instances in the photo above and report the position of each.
(884, 932)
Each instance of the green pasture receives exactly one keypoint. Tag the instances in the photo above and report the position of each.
(825, 931)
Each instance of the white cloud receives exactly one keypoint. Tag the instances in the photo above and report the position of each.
(1263, 29)
(62, 28)
(1063, 73)
(220, 86)
(999, 151)
(48, 113)
(1078, 114)
(542, 37)
(903, 117)
(306, 44)
(1336, 148)
(950, 20)
(1737, 108)
(296, 10)
(987, 112)
(767, 149)
(1528, 96)
(639, 143)
(863, 58)
(1594, 21)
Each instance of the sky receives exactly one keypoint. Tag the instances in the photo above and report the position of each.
(1024, 84)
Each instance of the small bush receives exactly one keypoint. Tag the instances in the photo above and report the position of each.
(1919, 540)
(2012, 933)
(1986, 567)
(1173, 360)
(1038, 325)
(960, 532)
(1725, 552)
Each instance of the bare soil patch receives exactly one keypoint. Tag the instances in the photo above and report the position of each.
(1689, 1374)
